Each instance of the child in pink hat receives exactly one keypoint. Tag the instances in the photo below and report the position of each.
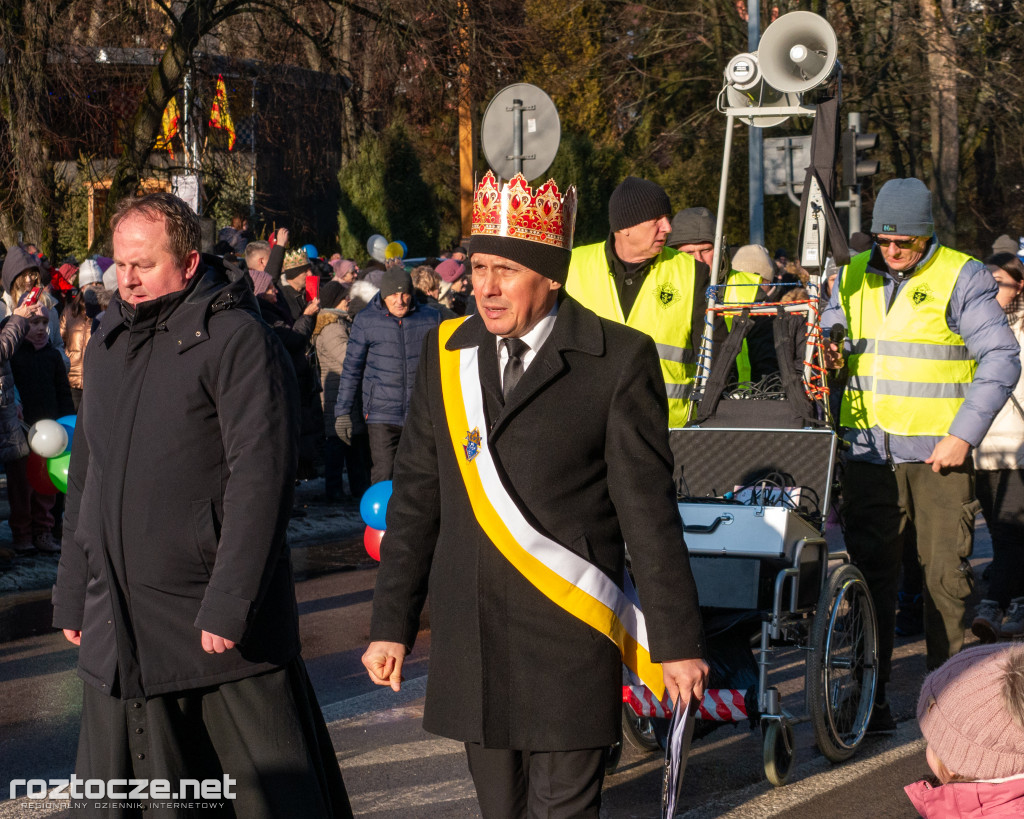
(971, 712)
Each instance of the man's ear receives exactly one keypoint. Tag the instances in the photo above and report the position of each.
(191, 264)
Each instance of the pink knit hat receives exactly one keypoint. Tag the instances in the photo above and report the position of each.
(963, 712)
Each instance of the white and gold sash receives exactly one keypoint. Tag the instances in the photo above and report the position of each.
(565, 578)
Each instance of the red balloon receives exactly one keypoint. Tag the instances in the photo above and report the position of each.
(371, 540)
(39, 475)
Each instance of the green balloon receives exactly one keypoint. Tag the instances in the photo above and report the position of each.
(57, 469)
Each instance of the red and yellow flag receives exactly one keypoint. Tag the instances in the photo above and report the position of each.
(169, 127)
(220, 115)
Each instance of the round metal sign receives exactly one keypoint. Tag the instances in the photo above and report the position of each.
(520, 131)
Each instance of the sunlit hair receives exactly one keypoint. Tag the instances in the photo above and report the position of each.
(425, 279)
(181, 222)
(254, 249)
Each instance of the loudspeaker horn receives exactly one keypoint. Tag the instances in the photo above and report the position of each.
(797, 52)
(745, 88)
(761, 96)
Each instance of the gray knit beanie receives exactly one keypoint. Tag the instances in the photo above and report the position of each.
(395, 280)
(970, 711)
(693, 226)
(636, 200)
(1004, 244)
(903, 207)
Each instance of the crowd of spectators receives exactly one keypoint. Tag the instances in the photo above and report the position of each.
(49, 312)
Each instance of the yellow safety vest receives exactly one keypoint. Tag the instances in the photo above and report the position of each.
(663, 309)
(741, 288)
(909, 373)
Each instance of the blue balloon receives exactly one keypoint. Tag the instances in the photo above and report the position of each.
(68, 422)
(405, 248)
(311, 251)
(374, 505)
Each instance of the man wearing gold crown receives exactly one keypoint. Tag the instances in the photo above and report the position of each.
(536, 445)
(635, 279)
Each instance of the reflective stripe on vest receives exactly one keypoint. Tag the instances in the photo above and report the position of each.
(741, 288)
(663, 310)
(566, 579)
(909, 373)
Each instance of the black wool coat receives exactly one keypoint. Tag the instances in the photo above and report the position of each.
(179, 492)
(583, 445)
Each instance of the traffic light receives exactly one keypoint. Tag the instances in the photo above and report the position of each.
(855, 166)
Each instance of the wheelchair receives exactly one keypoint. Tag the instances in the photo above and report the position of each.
(754, 491)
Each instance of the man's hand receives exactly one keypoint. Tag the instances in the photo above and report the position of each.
(685, 680)
(212, 644)
(383, 661)
(73, 636)
(282, 237)
(28, 310)
(343, 428)
(949, 453)
(312, 308)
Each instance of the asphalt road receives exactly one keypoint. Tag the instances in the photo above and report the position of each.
(394, 769)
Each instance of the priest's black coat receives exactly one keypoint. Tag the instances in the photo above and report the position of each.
(583, 445)
(179, 494)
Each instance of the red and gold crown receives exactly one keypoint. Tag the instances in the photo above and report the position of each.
(516, 212)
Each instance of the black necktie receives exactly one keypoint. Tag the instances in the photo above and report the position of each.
(513, 371)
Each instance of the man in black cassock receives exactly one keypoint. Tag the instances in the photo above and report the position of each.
(175, 577)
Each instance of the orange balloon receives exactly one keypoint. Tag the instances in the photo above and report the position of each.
(371, 540)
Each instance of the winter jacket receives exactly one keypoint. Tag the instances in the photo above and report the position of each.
(331, 341)
(76, 332)
(13, 444)
(968, 800)
(42, 382)
(293, 300)
(179, 493)
(1003, 446)
(974, 315)
(383, 353)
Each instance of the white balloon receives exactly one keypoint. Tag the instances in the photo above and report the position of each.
(377, 246)
(47, 439)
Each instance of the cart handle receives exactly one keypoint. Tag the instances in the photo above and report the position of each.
(697, 529)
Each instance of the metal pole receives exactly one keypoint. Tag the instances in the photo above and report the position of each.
(517, 135)
(853, 121)
(755, 146)
(705, 340)
(187, 108)
(252, 136)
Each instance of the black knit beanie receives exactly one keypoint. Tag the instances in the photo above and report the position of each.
(636, 200)
(547, 260)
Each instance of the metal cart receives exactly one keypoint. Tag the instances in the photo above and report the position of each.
(754, 503)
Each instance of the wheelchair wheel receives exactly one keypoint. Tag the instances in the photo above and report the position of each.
(643, 733)
(778, 751)
(842, 664)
